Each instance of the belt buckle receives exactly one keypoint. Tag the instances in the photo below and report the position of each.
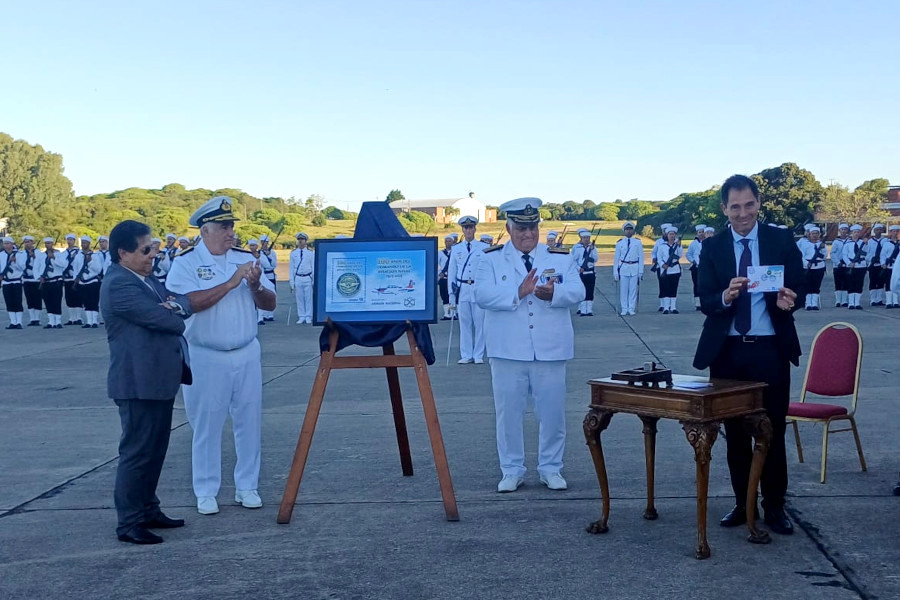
(748, 339)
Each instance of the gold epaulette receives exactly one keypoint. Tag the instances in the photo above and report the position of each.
(242, 250)
(494, 247)
(557, 250)
(183, 252)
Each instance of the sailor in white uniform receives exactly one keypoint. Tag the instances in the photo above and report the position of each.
(584, 255)
(268, 262)
(88, 282)
(12, 268)
(225, 287)
(876, 283)
(654, 261)
(890, 251)
(857, 260)
(839, 267)
(301, 267)
(31, 280)
(464, 259)
(814, 254)
(628, 269)
(443, 266)
(528, 291)
(693, 256)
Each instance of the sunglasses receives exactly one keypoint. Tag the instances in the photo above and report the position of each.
(146, 250)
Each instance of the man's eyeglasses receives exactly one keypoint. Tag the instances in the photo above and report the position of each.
(146, 250)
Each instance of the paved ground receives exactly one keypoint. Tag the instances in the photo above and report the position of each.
(361, 530)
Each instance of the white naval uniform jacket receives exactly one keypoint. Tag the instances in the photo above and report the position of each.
(463, 268)
(230, 323)
(628, 260)
(527, 328)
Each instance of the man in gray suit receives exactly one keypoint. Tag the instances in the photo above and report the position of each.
(148, 361)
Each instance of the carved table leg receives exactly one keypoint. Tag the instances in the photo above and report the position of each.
(594, 423)
(650, 458)
(760, 428)
(702, 436)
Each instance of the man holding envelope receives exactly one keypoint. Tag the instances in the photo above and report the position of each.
(749, 284)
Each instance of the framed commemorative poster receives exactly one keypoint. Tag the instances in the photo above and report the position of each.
(375, 281)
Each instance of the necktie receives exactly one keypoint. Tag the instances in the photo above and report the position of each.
(468, 246)
(627, 248)
(527, 260)
(742, 303)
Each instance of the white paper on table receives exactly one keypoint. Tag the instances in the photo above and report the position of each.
(692, 385)
(765, 279)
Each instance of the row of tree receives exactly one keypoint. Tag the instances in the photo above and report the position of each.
(36, 197)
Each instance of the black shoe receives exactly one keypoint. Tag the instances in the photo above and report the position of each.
(94, 326)
(48, 326)
(778, 521)
(10, 326)
(57, 327)
(660, 309)
(696, 308)
(844, 305)
(77, 322)
(665, 311)
(140, 535)
(578, 312)
(70, 322)
(163, 522)
(674, 311)
(736, 516)
(260, 322)
(897, 489)
(809, 308)
(588, 315)
(85, 326)
(34, 323)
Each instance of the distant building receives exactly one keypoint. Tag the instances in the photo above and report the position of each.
(893, 201)
(448, 210)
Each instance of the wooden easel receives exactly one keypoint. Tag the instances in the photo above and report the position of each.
(390, 362)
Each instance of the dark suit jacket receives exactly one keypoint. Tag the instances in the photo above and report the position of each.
(147, 355)
(718, 267)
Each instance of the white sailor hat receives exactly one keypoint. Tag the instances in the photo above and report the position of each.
(877, 225)
(449, 236)
(470, 220)
(300, 234)
(894, 228)
(700, 228)
(856, 227)
(454, 235)
(664, 226)
(28, 238)
(709, 230)
(843, 226)
(253, 242)
(523, 210)
(102, 238)
(184, 238)
(815, 228)
(8, 240)
(772, 225)
(808, 226)
(215, 210)
(264, 237)
(552, 234)
(86, 238)
(71, 236)
(782, 227)
(48, 239)
(486, 237)
(627, 225)
(584, 232)
(671, 229)
(171, 236)
(155, 240)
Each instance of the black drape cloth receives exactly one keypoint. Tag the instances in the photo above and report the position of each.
(377, 222)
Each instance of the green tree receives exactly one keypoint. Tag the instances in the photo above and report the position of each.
(788, 194)
(647, 232)
(394, 195)
(635, 209)
(868, 199)
(416, 221)
(319, 220)
(33, 190)
(606, 211)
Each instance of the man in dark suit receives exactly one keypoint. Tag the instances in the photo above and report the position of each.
(148, 361)
(751, 337)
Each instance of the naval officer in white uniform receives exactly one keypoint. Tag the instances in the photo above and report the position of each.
(464, 258)
(225, 287)
(302, 265)
(628, 269)
(527, 291)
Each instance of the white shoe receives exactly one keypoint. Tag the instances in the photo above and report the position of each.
(479, 362)
(631, 313)
(509, 483)
(248, 498)
(207, 505)
(554, 481)
(464, 361)
(623, 313)
(299, 323)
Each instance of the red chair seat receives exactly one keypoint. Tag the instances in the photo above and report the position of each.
(810, 410)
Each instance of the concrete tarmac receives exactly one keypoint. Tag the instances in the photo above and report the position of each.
(362, 530)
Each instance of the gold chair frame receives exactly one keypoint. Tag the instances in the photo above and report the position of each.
(828, 420)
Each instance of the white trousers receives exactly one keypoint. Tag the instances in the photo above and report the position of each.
(267, 314)
(512, 382)
(628, 290)
(225, 383)
(303, 289)
(471, 331)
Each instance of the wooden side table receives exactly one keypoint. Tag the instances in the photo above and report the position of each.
(700, 409)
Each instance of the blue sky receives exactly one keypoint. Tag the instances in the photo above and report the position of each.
(562, 100)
